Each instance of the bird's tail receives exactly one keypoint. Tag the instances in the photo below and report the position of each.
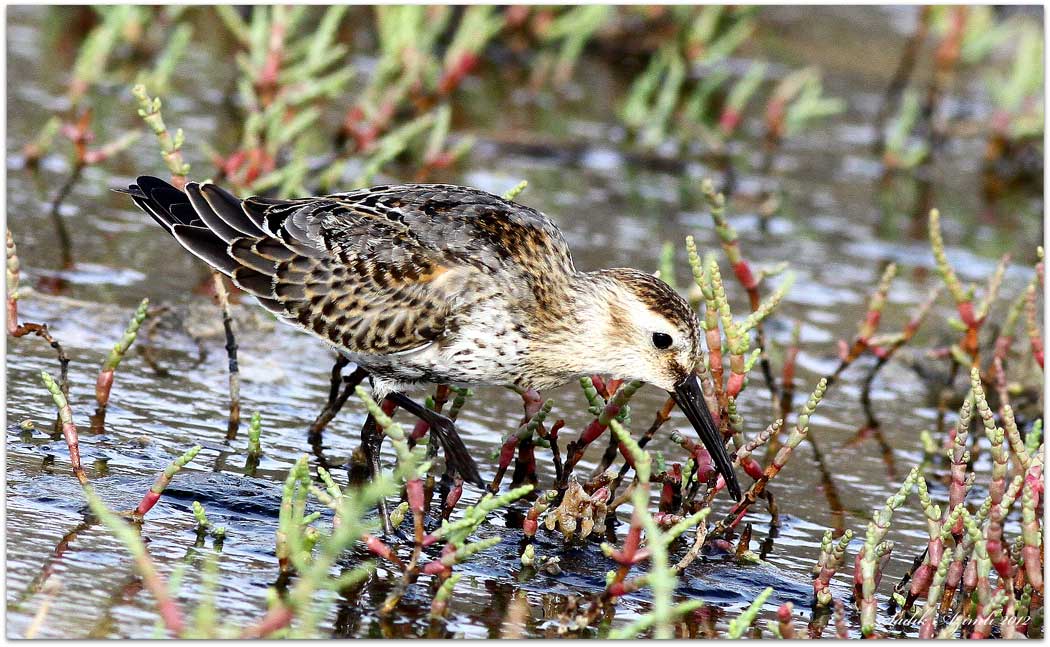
(225, 232)
(203, 218)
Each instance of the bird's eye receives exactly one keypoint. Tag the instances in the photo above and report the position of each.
(662, 340)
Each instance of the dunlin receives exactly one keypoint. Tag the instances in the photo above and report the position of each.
(439, 284)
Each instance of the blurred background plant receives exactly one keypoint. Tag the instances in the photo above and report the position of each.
(294, 71)
(297, 76)
(912, 129)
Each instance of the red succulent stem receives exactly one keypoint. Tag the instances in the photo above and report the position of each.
(742, 270)
(147, 503)
(752, 467)
(506, 453)
(923, 576)
(457, 71)
(600, 387)
(381, 549)
(103, 386)
(276, 618)
(736, 376)
(627, 555)
(443, 566)
(729, 120)
(453, 497)
(69, 432)
(414, 491)
(785, 621)
(593, 431)
(532, 518)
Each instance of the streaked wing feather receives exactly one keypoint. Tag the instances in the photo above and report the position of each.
(214, 222)
(358, 277)
(228, 207)
(243, 251)
(206, 246)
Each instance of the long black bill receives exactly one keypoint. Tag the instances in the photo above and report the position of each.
(690, 399)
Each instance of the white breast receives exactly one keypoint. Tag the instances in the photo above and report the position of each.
(486, 349)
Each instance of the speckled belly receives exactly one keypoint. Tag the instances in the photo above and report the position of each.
(486, 346)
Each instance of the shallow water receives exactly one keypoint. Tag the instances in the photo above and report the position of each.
(836, 228)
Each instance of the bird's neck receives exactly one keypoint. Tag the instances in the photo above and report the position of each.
(576, 340)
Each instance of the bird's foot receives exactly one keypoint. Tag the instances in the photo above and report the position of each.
(340, 390)
(371, 442)
(457, 458)
(362, 471)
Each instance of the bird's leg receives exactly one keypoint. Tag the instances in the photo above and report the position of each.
(611, 452)
(313, 434)
(457, 458)
(371, 442)
(327, 412)
(336, 397)
(341, 362)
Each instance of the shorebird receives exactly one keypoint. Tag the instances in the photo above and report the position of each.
(438, 284)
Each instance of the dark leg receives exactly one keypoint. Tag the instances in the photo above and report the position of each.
(341, 362)
(457, 458)
(336, 397)
(371, 442)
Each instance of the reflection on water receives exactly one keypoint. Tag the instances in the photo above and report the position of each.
(836, 227)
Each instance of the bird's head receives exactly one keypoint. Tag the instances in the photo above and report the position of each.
(651, 334)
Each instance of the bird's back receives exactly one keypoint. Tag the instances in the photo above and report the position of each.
(378, 271)
(453, 224)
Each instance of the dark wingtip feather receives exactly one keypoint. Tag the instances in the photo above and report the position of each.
(255, 283)
(457, 457)
(151, 181)
(274, 306)
(205, 245)
(175, 211)
(132, 190)
(228, 207)
(208, 214)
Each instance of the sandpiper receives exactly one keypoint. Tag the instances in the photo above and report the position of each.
(439, 284)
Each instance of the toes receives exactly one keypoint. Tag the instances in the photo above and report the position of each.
(456, 455)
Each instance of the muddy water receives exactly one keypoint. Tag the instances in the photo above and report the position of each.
(836, 228)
